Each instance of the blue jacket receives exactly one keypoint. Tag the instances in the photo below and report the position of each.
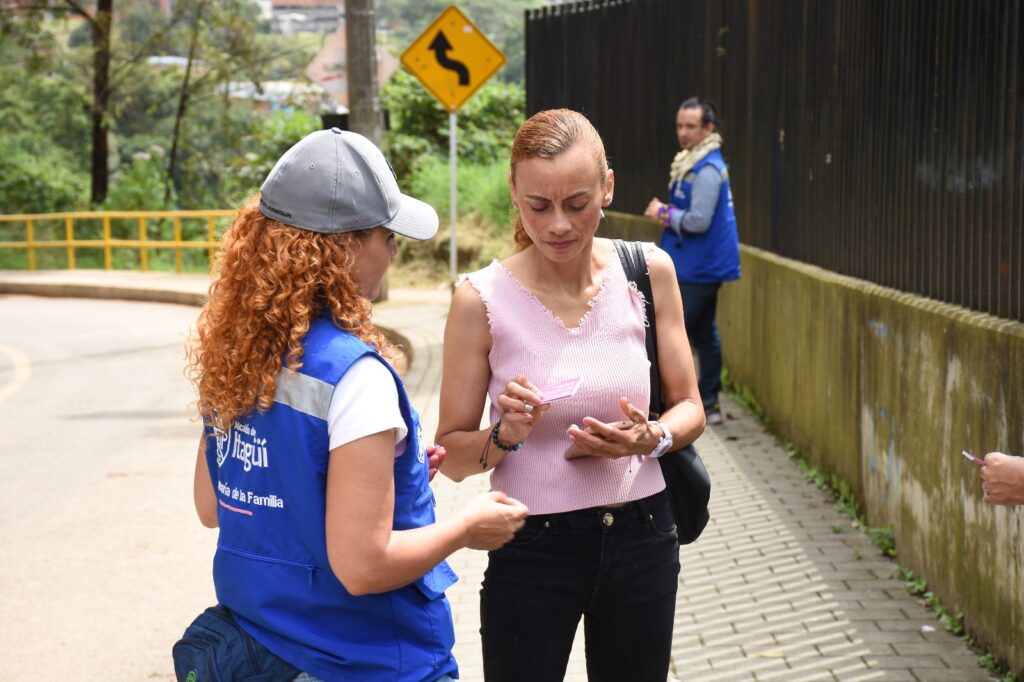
(711, 256)
(271, 568)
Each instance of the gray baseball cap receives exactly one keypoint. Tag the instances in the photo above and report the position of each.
(336, 181)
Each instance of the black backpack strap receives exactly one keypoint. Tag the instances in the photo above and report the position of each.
(634, 263)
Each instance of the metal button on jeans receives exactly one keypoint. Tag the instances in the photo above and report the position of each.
(608, 519)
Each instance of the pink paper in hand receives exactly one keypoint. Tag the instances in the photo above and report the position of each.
(977, 460)
(560, 391)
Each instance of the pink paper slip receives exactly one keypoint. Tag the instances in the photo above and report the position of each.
(560, 391)
(977, 460)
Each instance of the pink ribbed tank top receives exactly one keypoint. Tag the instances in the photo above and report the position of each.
(606, 350)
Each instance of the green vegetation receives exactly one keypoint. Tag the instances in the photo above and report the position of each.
(917, 586)
(178, 141)
(419, 124)
(417, 145)
(150, 111)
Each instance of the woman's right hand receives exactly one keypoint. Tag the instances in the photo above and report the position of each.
(520, 409)
(491, 519)
(1002, 479)
(652, 209)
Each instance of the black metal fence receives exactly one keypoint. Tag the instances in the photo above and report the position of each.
(879, 139)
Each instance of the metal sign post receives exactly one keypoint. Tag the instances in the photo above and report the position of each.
(453, 194)
(452, 59)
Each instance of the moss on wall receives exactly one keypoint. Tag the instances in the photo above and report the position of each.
(630, 227)
(885, 389)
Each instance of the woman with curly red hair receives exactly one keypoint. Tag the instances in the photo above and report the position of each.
(312, 464)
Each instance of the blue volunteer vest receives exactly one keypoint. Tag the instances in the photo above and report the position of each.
(714, 255)
(271, 568)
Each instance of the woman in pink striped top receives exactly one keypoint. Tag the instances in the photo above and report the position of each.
(600, 541)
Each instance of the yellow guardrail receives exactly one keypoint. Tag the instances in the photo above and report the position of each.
(143, 243)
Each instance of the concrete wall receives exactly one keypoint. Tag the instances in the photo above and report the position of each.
(885, 389)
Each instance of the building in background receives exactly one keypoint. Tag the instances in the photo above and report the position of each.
(328, 68)
(266, 8)
(283, 96)
(315, 16)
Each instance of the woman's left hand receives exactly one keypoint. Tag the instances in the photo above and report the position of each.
(631, 436)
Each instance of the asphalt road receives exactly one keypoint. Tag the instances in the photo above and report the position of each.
(102, 560)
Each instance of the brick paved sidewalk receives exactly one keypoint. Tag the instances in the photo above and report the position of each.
(779, 587)
(782, 587)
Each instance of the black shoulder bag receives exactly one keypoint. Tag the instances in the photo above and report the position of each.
(689, 486)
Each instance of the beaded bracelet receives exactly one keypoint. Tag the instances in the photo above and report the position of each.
(664, 215)
(497, 441)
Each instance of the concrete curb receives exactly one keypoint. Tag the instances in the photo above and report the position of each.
(101, 291)
(180, 289)
(184, 289)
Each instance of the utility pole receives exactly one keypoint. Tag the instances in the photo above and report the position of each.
(361, 69)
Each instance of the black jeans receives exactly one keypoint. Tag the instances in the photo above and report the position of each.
(617, 567)
(699, 304)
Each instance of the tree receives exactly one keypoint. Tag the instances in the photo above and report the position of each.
(104, 80)
(45, 127)
(183, 99)
(221, 50)
(100, 24)
(222, 146)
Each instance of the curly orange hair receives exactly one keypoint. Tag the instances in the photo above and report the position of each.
(271, 281)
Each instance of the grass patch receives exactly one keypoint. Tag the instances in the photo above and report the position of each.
(482, 189)
(426, 263)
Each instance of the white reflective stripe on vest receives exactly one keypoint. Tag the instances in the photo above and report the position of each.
(303, 393)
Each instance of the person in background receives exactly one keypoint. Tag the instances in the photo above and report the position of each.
(600, 542)
(311, 462)
(1002, 479)
(700, 236)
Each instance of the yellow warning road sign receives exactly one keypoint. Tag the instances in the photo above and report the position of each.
(452, 58)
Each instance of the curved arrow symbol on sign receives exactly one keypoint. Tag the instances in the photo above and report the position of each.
(441, 46)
